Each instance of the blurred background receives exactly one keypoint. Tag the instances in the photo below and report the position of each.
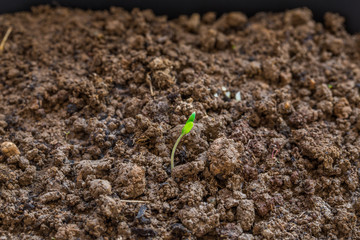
(350, 9)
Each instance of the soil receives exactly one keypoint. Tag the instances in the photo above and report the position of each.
(92, 103)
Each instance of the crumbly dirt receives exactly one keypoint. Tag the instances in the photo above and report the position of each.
(92, 103)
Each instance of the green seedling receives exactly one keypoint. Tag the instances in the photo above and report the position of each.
(186, 129)
(66, 135)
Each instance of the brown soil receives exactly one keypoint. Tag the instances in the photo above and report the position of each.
(92, 103)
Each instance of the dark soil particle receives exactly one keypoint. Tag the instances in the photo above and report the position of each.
(92, 103)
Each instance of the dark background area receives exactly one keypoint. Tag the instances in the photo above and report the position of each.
(350, 9)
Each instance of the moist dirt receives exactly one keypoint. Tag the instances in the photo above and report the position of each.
(92, 103)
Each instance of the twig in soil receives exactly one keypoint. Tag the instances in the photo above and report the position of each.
(142, 139)
(2, 44)
(274, 152)
(186, 129)
(277, 221)
(148, 80)
(133, 201)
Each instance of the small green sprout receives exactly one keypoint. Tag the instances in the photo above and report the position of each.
(330, 86)
(66, 134)
(186, 129)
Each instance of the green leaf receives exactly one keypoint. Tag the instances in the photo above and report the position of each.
(187, 128)
(191, 118)
(189, 124)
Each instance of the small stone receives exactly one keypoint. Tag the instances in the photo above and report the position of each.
(9, 149)
(228, 94)
(238, 96)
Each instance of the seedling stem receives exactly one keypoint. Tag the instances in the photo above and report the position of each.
(173, 151)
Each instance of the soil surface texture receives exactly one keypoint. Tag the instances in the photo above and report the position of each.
(92, 102)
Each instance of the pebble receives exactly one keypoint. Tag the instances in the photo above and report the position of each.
(238, 96)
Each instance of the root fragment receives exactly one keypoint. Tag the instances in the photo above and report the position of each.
(2, 44)
(148, 80)
(134, 201)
